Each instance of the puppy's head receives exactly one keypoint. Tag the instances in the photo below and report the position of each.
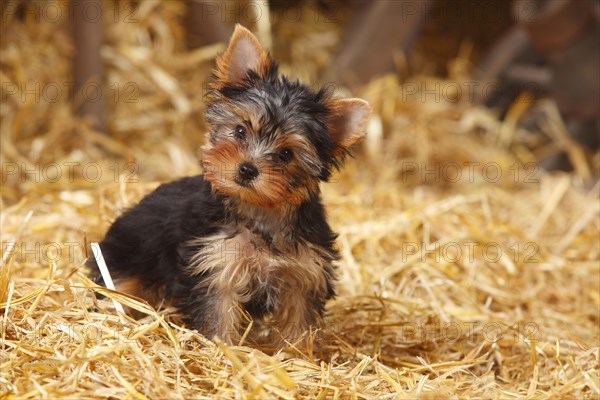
(272, 140)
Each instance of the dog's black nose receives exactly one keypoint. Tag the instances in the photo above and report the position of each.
(247, 172)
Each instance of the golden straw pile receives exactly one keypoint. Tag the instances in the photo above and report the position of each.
(466, 271)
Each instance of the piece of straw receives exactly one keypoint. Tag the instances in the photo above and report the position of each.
(97, 252)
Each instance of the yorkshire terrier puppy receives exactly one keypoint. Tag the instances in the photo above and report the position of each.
(247, 240)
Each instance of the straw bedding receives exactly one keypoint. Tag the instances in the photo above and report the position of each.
(472, 286)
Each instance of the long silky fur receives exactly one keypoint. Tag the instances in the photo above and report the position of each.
(225, 253)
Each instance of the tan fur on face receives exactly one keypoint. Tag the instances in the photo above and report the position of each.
(305, 155)
(271, 188)
(220, 166)
(238, 266)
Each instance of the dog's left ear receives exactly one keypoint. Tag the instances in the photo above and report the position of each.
(244, 54)
(347, 123)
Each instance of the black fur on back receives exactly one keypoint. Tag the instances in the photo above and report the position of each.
(149, 242)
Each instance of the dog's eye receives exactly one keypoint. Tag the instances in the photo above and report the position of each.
(285, 155)
(239, 132)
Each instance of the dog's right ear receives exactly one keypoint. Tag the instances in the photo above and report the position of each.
(347, 124)
(244, 54)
